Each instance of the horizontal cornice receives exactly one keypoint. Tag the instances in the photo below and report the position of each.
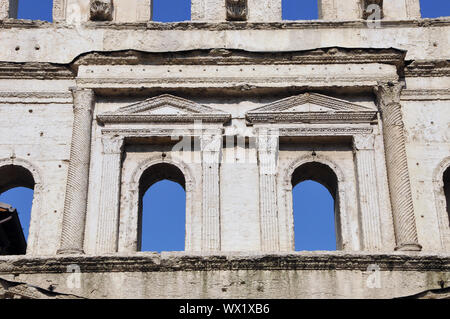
(170, 262)
(218, 26)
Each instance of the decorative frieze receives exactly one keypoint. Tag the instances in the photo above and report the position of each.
(388, 95)
(75, 204)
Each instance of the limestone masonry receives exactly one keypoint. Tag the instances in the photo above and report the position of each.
(238, 106)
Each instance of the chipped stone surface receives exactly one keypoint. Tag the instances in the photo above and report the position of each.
(89, 107)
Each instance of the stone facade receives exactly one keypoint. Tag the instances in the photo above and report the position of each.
(237, 106)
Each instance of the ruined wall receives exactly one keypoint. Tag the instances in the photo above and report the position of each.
(326, 86)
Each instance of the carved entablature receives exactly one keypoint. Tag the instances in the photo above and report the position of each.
(237, 10)
(165, 108)
(101, 10)
(312, 108)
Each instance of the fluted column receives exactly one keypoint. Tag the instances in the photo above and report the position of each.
(368, 193)
(388, 96)
(75, 204)
(108, 222)
(267, 155)
(211, 145)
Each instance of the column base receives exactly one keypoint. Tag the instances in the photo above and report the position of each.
(409, 247)
(70, 252)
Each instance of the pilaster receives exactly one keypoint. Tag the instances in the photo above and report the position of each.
(211, 146)
(108, 222)
(368, 192)
(267, 144)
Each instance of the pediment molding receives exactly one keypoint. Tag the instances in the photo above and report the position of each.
(164, 108)
(312, 108)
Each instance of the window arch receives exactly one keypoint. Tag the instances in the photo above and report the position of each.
(446, 180)
(441, 183)
(322, 174)
(157, 174)
(14, 224)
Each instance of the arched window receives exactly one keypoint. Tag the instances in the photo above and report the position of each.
(171, 10)
(300, 10)
(316, 207)
(447, 191)
(162, 209)
(16, 190)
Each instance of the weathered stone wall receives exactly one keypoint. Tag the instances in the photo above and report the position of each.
(174, 275)
(331, 88)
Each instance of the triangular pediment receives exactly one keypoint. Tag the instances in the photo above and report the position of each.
(312, 107)
(164, 108)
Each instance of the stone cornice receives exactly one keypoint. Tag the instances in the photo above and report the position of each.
(425, 94)
(170, 262)
(433, 68)
(34, 70)
(328, 55)
(214, 26)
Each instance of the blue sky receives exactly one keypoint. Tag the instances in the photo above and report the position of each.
(164, 202)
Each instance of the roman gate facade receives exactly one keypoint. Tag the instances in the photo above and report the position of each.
(237, 106)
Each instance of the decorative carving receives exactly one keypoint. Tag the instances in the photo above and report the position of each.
(388, 93)
(101, 10)
(237, 10)
(75, 204)
(388, 96)
(325, 131)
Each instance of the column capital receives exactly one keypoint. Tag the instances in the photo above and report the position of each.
(363, 142)
(267, 140)
(112, 144)
(388, 93)
(83, 98)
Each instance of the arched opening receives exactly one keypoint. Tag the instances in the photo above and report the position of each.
(171, 10)
(162, 209)
(16, 190)
(316, 208)
(447, 191)
(300, 10)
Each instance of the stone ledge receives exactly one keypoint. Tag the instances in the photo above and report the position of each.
(219, 26)
(174, 261)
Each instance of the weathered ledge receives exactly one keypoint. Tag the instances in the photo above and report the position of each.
(177, 261)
